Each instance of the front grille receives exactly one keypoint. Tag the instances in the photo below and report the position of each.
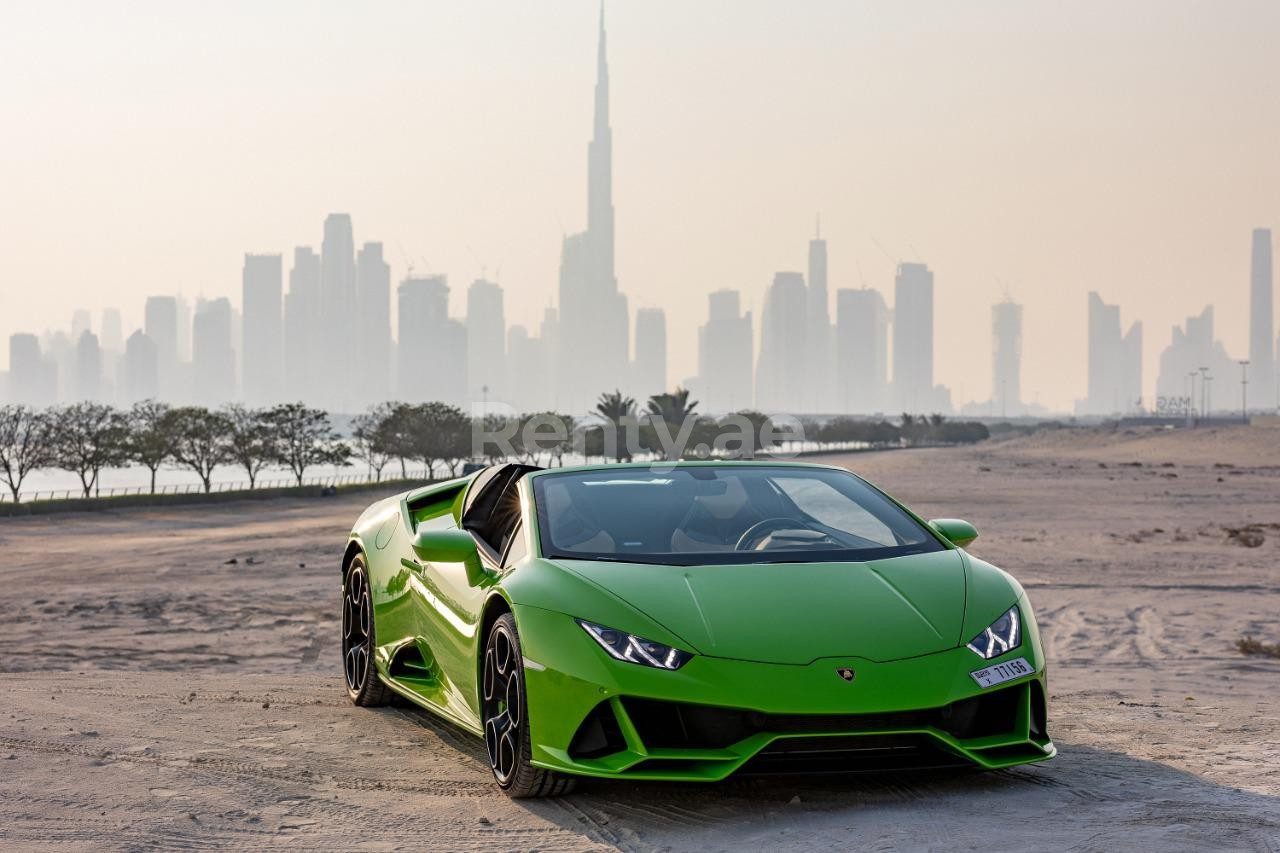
(681, 725)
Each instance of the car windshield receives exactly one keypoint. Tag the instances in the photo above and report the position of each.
(729, 514)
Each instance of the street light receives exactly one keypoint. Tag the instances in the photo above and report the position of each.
(1244, 391)
(1204, 387)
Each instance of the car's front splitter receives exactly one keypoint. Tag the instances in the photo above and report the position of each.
(594, 716)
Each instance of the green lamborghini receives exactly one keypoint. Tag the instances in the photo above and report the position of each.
(690, 620)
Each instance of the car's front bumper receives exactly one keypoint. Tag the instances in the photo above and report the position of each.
(592, 715)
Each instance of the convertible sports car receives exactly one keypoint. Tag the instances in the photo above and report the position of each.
(691, 620)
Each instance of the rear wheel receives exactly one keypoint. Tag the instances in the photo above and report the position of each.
(506, 718)
(358, 642)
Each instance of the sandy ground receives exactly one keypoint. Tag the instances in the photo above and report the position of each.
(157, 694)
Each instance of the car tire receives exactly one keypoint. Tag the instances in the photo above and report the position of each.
(505, 713)
(359, 641)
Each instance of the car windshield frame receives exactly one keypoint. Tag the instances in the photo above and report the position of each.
(881, 505)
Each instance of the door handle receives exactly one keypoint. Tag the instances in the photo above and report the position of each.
(412, 565)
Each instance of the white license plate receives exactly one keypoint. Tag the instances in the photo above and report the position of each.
(999, 673)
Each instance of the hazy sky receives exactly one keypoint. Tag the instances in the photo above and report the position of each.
(1039, 148)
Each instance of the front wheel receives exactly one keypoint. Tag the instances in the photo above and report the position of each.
(506, 718)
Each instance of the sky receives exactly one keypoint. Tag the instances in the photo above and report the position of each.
(1035, 149)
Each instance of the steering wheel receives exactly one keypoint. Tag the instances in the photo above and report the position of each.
(768, 525)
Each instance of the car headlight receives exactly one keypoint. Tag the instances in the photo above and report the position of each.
(633, 649)
(1001, 636)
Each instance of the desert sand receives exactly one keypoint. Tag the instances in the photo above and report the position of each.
(170, 679)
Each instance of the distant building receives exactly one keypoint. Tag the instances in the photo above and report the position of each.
(1115, 362)
(783, 358)
(139, 375)
(161, 326)
(593, 345)
(433, 347)
(486, 344)
(1006, 358)
(1191, 348)
(913, 388)
(818, 379)
(649, 370)
(302, 340)
(112, 337)
(212, 357)
(373, 338)
(33, 379)
(725, 353)
(263, 329)
(862, 351)
(528, 373)
(1262, 356)
(88, 370)
(335, 387)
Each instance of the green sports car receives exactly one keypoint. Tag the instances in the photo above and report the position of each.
(685, 621)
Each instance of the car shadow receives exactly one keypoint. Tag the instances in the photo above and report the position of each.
(1085, 798)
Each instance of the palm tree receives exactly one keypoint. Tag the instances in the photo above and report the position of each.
(615, 408)
(674, 408)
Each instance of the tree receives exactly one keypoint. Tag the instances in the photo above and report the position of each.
(618, 410)
(201, 440)
(673, 407)
(25, 445)
(373, 439)
(302, 438)
(396, 432)
(151, 437)
(249, 440)
(88, 437)
(440, 433)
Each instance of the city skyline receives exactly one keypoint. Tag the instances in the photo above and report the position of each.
(336, 292)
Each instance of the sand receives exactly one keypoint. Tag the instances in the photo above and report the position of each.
(157, 694)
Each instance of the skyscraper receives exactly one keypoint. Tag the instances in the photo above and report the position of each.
(432, 347)
(913, 340)
(486, 343)
(593, 344)
(1006, 357)
(862, 351)
(161, 325)
(1192, 346)
(337, 314)
(302, 326)
(1262, 358)
(373, 341)
(818, 377)
(649, 372)
(783, 356)
(33, 379)
(263, 351)
(139, 376)
(1115, 362)
(88, 383)
(528, 373)
(213, 364)
(725, 347)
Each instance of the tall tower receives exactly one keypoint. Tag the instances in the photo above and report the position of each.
(913, 339)
(594, 340)
(819, 371)
(1262, 365)
(337, 310)
(262, 353)
(1006, 357)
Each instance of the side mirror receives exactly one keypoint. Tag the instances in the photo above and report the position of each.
(957, 532)
(450, 546)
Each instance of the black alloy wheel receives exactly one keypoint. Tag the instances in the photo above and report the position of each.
(504, 711)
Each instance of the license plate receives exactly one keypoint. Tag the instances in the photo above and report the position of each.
(999, 673)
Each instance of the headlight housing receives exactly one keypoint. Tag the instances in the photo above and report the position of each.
(1002, 635)
(633, 649)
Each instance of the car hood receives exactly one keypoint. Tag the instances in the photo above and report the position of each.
(795, 613)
